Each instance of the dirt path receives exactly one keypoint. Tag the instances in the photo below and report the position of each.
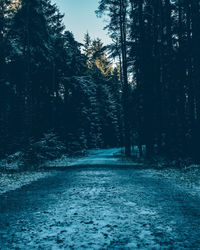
(99, 207)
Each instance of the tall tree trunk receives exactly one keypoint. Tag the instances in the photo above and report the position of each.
(195, 7)
(123, 30)
(28, 85)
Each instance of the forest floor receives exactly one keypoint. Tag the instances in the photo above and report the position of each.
(103, 202)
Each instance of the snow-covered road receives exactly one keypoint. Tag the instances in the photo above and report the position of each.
(101, 207)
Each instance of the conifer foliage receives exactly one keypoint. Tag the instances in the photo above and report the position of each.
(49, 87)
(50, 84)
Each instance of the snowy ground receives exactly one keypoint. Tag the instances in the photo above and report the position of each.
(102, 207)
(10, 182)
(95, 157)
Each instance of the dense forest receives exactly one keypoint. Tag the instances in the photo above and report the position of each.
(53, 89)
(158, 46)
(60, 94)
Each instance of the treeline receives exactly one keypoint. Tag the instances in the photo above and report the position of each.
(157, 43)
(48, 85)
(53, 87)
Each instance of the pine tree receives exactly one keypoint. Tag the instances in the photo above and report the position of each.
(118, 12)
(31, 53)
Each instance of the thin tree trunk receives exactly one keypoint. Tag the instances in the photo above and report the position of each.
(127, 139)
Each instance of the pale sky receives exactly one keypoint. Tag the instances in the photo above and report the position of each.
(80, 17)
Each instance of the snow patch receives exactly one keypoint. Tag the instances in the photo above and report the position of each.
(10, 182)
(12, 162)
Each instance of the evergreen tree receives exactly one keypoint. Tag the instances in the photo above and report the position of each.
(118, 26)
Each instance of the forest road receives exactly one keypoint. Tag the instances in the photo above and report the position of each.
(101, 207)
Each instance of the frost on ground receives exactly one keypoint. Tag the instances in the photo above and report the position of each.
(101, 207)
(11, 178)
(94, 157)
(12, 162)
(187, 175)
(10, 182)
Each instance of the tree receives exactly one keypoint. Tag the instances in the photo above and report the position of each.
(107, 92)
(118, 11)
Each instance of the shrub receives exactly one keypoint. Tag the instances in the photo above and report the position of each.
(49, 147)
